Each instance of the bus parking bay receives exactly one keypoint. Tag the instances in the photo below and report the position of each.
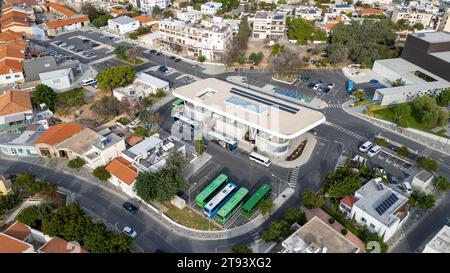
(232, 214)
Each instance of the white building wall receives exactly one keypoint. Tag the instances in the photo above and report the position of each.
(18, 150)
(122, 29)
(11, 78)
(14, 117)
(60, 83)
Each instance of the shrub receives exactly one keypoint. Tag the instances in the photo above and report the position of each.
(427, 164)
(76, 163)
(140, 131)
(344, 231)
(331, 221)
(9, 201)
(101, 173)
(382, 142)
(403, 151)
(124, 121)
(442, 184)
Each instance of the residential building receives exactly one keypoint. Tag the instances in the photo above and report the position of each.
(368, 11)
(341, 8)
(15, 109)
(59, 80)
(62, 12)
(316, 236)
(21, 144)
(444, 24)
(189, 14)
(104, 150)
(423, 66)
(48, 141)
(332, 19)
(54, 27)
(148, 5)
(226, 113)
(440, 243)
(372, 2)
(12, 55)
(20, 238)
(143, 85)
(412, 16)
(268, 25)
(120, 12)
(123, 174)
(123, 24)
(379, 207)
(5, 186)
(309, 13)
(147, 21)
(423, 182)
(32, 67)
(196, 40)
(16, 19)
(210, 8)
(150, 154)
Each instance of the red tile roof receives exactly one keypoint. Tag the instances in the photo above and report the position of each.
(349, 201)
(18, 231)
(13, 102)
(58, 245)
(59, 133)
(122, 169)
(61, 9)
(370, 11)
(144, 19)
(10, 244)
(8, 66)
(66, 22)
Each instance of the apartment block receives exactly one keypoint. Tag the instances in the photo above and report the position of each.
(268, 25)
(412, 16)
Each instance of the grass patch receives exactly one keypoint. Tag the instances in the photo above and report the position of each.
(131, 60)
(388, 114)
(363, 102)
(189, 218)
(70, 99)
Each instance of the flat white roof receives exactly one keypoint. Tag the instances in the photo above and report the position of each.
(433, 37)
(55, 74)
(269, 114)
(123, 20)
(440, 242)
(150, 80)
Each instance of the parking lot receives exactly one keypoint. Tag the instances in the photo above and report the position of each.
(252, 176)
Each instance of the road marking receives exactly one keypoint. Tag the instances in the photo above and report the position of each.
(346, 131)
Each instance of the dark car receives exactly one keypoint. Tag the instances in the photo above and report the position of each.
(130, 207)
(153, 51)
(159, 53)
(326, 90)
(172, 57)
(162, 69)
(177, 60)
(94, 44)
(311, 84)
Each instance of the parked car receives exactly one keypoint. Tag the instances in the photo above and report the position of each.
(374, 150)
(162, 69)
(366, 146)
(177, 60)
(62, 44)
(153, 51)
(311, 85)
(88, 81)
(331, 85)
(130, 207)
(134, 123)
(394, 180)
(406, 186)
(70, 47)
(130, 232)
(172, 57)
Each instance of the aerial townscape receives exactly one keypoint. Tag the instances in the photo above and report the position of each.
(224, 126)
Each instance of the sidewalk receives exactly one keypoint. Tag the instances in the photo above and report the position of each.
(434, 142)
(303, 159)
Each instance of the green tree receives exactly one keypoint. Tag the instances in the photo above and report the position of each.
(430, 114)
(402, 24)
(160, 186)
(403, 151)
(120, 51)
(44, 94)
(241, 59)
(301, 30)
(256, 58)
(266, 207)
(140, 131)
(49, 190)
(115, 76)
(295, 215)
(9, 201)
(241, 249)
(443, 99)
(402, 113)
(101, 173)
(311, 199)
(422, 200)
(76, 163)
(243, 33)
(418, 26)
(101, 20)
(428, 164)
(341, 182)
(176, 161)
(32, 216)
(276, 49)
(359, 94)
(156, 10)
(276, 232)
(199, 146)
(28, 182)
(441, 183)
(91, 11)
(398, 82)
(168, 14)
(201, 58)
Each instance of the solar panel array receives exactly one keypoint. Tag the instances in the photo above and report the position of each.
(245, 94)
(291, 94)
(386, 204)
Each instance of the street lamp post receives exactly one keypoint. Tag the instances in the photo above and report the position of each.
(279, 183)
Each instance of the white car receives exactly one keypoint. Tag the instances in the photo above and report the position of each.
(70, 47)
(89, 81)
(407, 187)
(62, 44)
(331, 85)
(134, 123)
(316, 86)
(375, 150)
(130, 232)
(365, 147)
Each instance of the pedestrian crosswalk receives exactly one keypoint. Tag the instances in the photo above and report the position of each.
(346, 131)
(293, 176)
(334, 105)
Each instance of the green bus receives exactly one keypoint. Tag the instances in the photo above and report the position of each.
(249, 208)
(210, 191)
(231, 206)
(177, 103)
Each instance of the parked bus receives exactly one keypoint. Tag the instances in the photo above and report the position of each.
(230, 207)
(249, 208)
(349, 86)
(260, 159)
(219, 200)
(177, 104)
(207, 193)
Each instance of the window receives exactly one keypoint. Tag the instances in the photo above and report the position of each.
(20, 150)
(13, 151)
(17, 76)
(8, 77)
(372, 226)
(363, 220)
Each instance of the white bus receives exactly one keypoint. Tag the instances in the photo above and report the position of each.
(260, 159)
